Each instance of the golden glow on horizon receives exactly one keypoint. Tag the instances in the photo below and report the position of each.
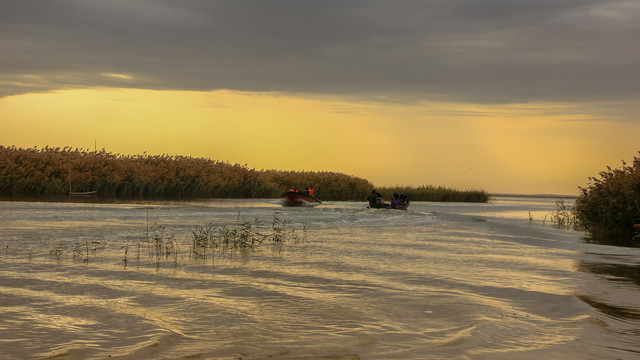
(533, 148)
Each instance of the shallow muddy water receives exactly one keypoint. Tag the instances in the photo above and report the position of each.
(439, 281)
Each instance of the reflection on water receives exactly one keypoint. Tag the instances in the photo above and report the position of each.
(618, 312)
(613, 271)
(613, 242)
(440, 281)
(616, 297)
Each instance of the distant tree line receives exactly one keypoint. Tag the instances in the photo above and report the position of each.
(609, 208)
(54, 170)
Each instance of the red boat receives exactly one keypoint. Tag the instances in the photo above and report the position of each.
(296, 198)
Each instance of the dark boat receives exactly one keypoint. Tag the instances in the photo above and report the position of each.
(296, 198)
(388, 206)
(83, 193)
(397, 203)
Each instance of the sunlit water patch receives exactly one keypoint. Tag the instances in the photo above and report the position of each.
(440, 281)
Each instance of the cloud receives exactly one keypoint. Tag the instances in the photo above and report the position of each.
(492, 51)
(118, 76)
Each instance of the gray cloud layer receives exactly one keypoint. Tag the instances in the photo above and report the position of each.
(460, 50)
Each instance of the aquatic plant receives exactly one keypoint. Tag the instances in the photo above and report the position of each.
(126, 252)
(244, 235)
(281, 231)
(79, 250)
(162, 244)
(435, 193)
(564, 215)
(609, 207)
(47, 170)
(204, 237)
(247, 235)
(58, 249)
(38, 171)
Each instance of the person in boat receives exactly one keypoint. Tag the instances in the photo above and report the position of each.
(375, 200)
(310, 191)
(292, 189)
(396, 201)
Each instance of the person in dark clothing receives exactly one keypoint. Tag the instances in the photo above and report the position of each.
(374, 199)
(396, 201)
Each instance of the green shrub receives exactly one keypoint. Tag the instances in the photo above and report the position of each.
(609, 207)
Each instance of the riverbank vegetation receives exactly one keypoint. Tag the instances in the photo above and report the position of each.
(609, 207)
(60, 171)
(435, 193)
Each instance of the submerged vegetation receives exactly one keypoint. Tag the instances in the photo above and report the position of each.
(159, 246)
(609, 207)
(244, 235)
(60, 171)
(564, 215)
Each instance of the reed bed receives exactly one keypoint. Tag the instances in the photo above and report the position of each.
(435, 193)
(609, 207)
(60, 171)
(49, 171)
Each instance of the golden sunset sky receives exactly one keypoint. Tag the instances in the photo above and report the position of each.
(517, 97)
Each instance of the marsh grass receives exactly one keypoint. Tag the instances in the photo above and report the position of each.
(609, 207)
(435, 193)
(58, 250)
(564, 216)
(126, 252)
(79, 251)
(244, 235)
(163, 244)
(46, 171)
(209, 242)
(159, 245)
(204, 238)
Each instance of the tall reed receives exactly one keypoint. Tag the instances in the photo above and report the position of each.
(50, 170)
(54, 170)
(564, 215)
(435, 193)
(609, 207)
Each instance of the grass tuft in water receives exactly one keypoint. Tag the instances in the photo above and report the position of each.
(564, 216)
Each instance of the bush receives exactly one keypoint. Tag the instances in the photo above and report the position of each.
(609, 208)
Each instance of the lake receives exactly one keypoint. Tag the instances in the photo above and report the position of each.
(337, 281)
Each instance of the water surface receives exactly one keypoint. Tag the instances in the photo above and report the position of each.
(440, 281)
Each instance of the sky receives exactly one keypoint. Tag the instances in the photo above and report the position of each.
(508, 96)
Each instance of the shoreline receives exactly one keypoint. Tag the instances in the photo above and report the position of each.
(543, 196)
